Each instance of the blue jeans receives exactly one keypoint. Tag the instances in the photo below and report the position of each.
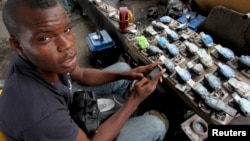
(139, 128)
(142, 128)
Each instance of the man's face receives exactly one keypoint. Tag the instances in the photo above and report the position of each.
(46, 39)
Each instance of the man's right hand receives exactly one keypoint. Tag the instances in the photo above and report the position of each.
(144, 87)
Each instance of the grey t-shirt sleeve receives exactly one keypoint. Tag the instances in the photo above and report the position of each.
(58, 126)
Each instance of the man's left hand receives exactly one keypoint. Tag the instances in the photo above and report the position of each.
(139, 72)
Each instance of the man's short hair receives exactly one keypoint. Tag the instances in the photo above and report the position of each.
(11, 12)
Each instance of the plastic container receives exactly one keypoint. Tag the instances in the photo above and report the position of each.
(102, 48)
(98, 41)
(194, 21)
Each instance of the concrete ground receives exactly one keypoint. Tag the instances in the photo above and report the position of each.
(82, 26)
(5, 51)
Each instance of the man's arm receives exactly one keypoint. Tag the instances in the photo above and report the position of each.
(89, 76)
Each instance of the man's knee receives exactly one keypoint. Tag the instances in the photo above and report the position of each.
(119, 66)
(157, 124)
(145, 127)
(124, 66)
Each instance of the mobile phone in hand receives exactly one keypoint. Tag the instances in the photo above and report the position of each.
(155, 71)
